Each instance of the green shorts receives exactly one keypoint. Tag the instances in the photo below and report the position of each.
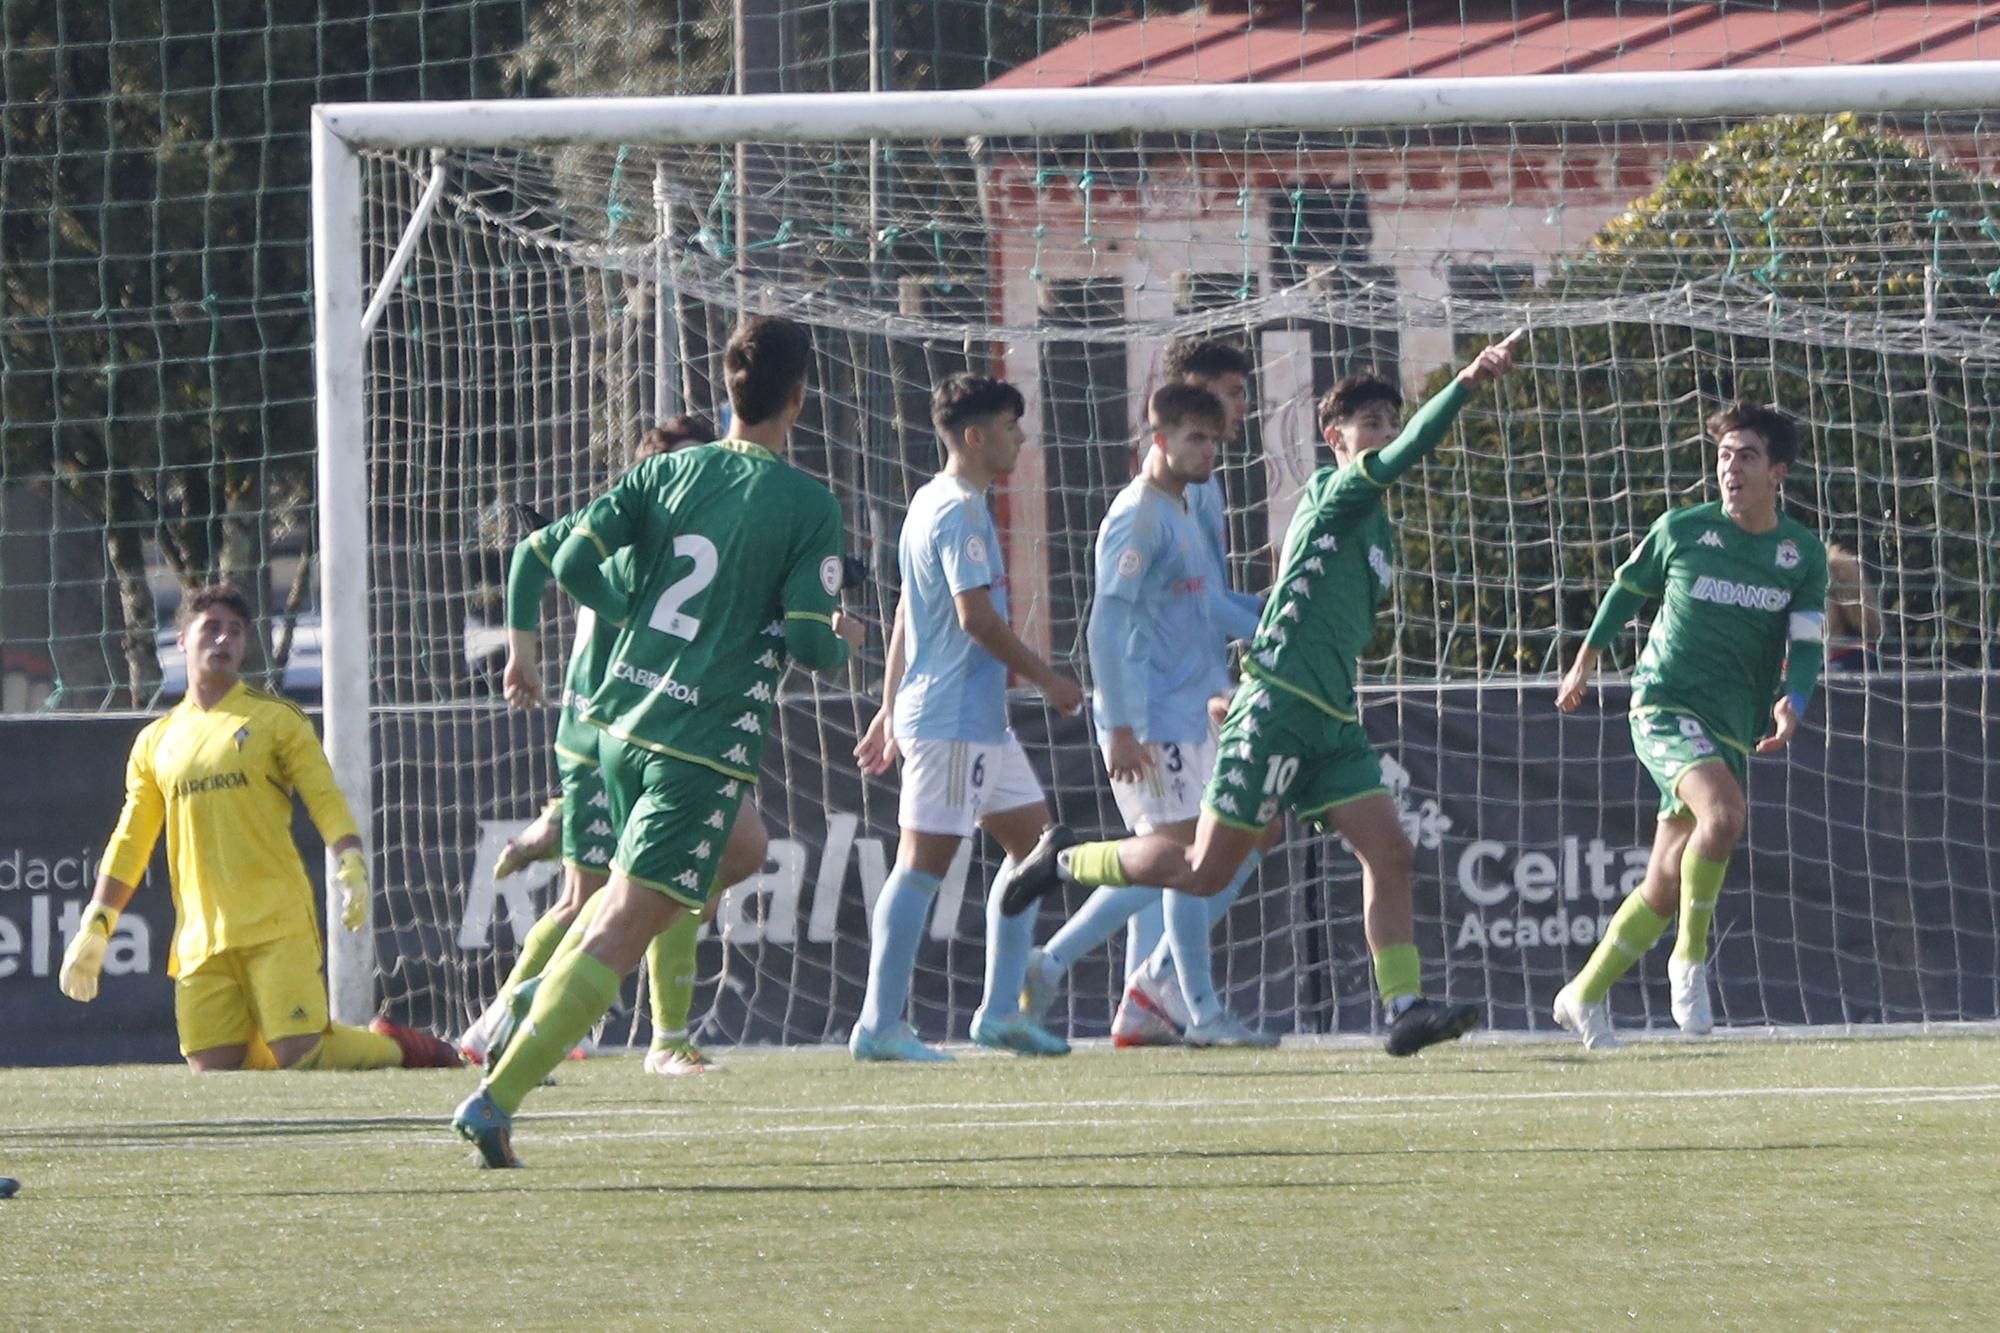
(1278, 752)
(674, 819)
(1669, 743)
(588, 835)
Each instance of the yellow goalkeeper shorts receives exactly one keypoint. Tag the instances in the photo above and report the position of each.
(275, 989)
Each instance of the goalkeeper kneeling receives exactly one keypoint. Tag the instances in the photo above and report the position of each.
(219, 772)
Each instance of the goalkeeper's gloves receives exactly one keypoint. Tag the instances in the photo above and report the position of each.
(84, 958)
(353, 877)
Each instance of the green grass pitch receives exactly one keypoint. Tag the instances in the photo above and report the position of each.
(1768, 1183)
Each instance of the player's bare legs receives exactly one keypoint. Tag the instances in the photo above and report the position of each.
(1683, 875)
(1715, 797)
(670, 958)
(1372, 827)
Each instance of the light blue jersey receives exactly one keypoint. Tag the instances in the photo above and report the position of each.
(953, 689)
(1204, 500)
(1156, 649)
(1235, 613)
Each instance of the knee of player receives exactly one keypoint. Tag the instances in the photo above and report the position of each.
(1724, 819)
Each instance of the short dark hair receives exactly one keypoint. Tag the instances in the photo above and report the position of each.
(1781, 443)
(962, 399)
(1177, 402)
(1347, 398)
(1210, 358)
(223, 595)
(766, 359)
(674, 433)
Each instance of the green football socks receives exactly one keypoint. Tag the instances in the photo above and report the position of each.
(576, 991)
(670, 969)
(1399, 971)
(1095, 864)
(536, 950)
(1634, 929)
(1701, 885)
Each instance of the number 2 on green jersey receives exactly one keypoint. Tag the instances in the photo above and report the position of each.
(667, 617)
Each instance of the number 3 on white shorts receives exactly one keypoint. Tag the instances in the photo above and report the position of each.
(667, 617)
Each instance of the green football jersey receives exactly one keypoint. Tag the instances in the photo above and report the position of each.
(1718, 642)
(591, 648)
(727, 543)
(1337, 569)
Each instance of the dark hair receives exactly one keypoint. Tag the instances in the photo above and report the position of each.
(1347, 398)
(766, 359)
(223, 595)
(1781, 442)
(1178, 402)
(673, 433)
(1210, 358)
(962, 399)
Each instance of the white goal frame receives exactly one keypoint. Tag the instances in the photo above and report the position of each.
(342, 131)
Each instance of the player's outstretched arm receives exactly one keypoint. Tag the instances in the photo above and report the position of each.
(977, 618)
(1428, 426)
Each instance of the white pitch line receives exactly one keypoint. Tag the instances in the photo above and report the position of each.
(1974, 1091)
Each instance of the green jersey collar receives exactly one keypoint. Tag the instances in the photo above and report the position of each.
(748, 448)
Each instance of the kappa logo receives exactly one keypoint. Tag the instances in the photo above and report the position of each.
(298, 1011)
(703, 850)
(1314, 564)
(760, 692)
(1327, 542)
(1788, 554)
(736, 754)
(714, 820)
(1227, 804)
(598, 829)
(1300, 587)
(599, 801)
(748, 722)
(688, 880)
(597, 856)
(1378, 560)
(1712, 538)
(769, 661)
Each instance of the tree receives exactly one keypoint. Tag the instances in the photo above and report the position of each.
(1809, 249)
(157, 363)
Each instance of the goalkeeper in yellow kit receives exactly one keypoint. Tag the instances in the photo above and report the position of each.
(219, 773)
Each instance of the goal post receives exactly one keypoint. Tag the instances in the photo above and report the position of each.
(549, 305)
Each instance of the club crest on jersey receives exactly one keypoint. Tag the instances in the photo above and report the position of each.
(1788, 554)
(1129, 562)
(242, 735)
(829, 575)
(975, 549)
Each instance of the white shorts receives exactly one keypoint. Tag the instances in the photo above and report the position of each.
(1170, 793)
(949, 786)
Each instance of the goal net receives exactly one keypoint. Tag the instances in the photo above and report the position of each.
(547, 295)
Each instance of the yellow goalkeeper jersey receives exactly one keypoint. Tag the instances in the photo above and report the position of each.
(221, 781)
